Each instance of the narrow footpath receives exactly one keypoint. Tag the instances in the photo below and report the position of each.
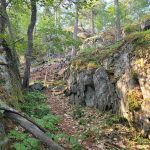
(93, 130)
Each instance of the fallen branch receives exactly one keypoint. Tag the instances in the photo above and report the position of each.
(113, 145)
(3, 64)
(30, 126)
(18, 40)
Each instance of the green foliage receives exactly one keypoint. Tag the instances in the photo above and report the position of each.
(88, 50)
(48, 121)
(141, 140)
(112, 48)
(92, 133)
(83, 121)
(34, 104)
(131, 28)
(77, 112)
(92, 59)
(38, 111)
(113, 119)
(68, 139)
(23, 141)
(55, 39)
(76, 146)
(145, 17)
(88, 133)
(75, 143)
(2, 81)
(34, 97)
(134, 100)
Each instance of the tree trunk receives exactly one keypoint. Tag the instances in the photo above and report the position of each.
(28, 124)
(11, 56)
(2, 20)
(30, 44)
(92, 22)
(117, 22)
(75, 32)
(56, 16)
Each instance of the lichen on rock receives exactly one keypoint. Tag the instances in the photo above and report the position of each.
(119, 82)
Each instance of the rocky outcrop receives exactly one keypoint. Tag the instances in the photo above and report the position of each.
(120, 85)
(106, 38)
(146, 24)
(4, 88)
(4, 76)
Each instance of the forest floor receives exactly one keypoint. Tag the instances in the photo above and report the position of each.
(92, 129)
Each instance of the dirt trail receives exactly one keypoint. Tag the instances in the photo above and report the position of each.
(91, 129)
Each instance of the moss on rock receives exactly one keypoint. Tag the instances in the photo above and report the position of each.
(134, 98)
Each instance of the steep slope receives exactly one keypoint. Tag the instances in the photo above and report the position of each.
(115, 79)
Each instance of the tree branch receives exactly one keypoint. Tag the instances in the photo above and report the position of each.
(3, 64)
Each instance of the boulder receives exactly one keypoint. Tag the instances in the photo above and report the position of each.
(104, 91)
(120, 85)
(146, 24)
(37, 86)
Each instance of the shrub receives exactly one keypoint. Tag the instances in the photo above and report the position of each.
(134, 98)
(128, 29)
(113, 119)
(23, 141)
(34, 96)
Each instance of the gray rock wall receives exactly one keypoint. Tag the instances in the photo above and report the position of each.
(107, 87)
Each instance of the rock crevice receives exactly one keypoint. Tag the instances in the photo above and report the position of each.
(109, 87)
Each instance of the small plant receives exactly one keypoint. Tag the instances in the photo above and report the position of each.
(141, 140)
(38, 111)
(134, 98)
(23, 141)
(92, 65)
(34, 96)
(48, 121)
(89, 133)
(113, 119)
(131, 28)
(77, 112)
(75, 144)
(88, 50)
(83, 121)
(34, 104)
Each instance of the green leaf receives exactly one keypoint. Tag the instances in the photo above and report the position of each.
(19, 146)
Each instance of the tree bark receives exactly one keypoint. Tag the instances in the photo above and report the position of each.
(11, 56)
(117, 21)
(36, 130)
(30, 44)
(92, 22)
(2, 20)
(75, 32)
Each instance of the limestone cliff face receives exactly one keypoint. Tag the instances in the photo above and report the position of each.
(4, 77)
(120, 84)
(4, 90)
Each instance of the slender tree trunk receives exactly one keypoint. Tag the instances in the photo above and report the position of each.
(3, 142)
(2, 20)
(92, 22)
(56, 16)
(75, 32)
(30, 44)
(118, 26)
(12, 58)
